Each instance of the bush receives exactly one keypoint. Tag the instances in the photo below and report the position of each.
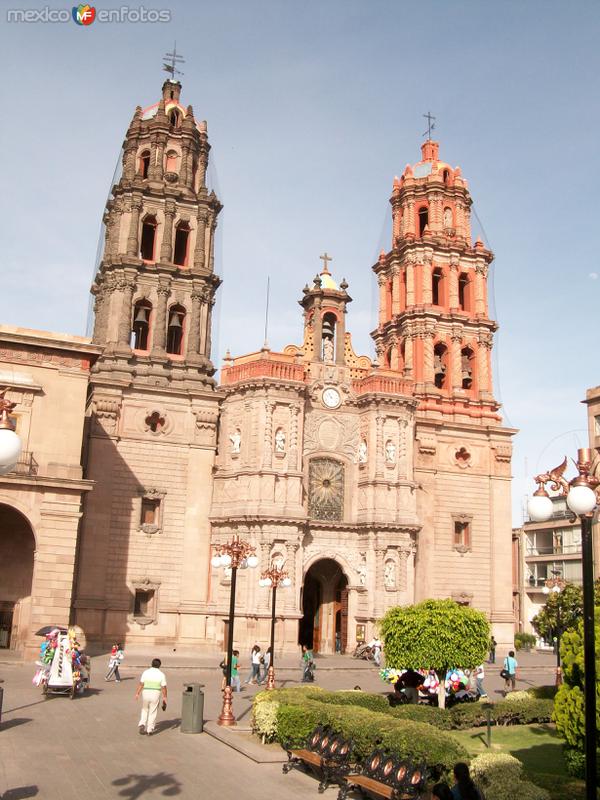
(437, 717)
(524, 641)
(575, 762)
(374, 702)
(295, 722)
(500, 777)
(264, 720)
(541, 692)
(521, 711)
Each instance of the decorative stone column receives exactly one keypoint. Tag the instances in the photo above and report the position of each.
(134, 224)
(292, 594)
(126, 288)
(129, 160)
(199, 251)
(428, 376)
(185, 172)
(480, 277)
(410, 280)
(113, 230)
(456, 340)
(293, 451)
(166, 248)
(204, 347)
(395, 290)
(202, 166)
(159, 167)
(159, 336)
(209, 308)
(213, 227)
(381, 282)
(453, 283)
(268, 437)
(409, 355)
(378, 605)
(379, 420)
(193, 341)
(403, 554)
(402, 448)
(484, 350)
(427, 267)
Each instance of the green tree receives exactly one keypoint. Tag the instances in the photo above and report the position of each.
(567, 604)
(435, 634)
(569, 700)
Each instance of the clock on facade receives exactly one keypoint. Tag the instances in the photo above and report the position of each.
(331, 397)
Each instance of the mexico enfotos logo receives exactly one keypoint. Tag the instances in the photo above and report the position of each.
(84, 15)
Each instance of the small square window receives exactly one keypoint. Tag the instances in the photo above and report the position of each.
(144, 603)
(150, 511)
(461, 537)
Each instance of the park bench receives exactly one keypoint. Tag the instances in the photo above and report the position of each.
(326, 753)
(384, 775)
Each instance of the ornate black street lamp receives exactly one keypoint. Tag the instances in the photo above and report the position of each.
(236, 554)
(274, 577)
(582, 495)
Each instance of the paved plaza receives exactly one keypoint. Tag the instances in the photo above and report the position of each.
(89, 748)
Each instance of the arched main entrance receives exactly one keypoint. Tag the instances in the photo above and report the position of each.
(324, 607)
(17, 546)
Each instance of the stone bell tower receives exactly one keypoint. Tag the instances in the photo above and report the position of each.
(152, 407)
(434, 328)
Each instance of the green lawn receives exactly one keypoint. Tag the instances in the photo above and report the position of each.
(538, 747)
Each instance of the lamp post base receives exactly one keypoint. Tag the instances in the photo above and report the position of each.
(227, 717)
(271, 678)
(559, 679)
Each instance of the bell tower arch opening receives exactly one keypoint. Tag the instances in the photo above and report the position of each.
(17, 548)
(324, 624)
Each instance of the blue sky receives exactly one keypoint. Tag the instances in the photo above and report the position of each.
(312, 108)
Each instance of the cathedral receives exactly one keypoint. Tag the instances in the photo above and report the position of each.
(376, 482)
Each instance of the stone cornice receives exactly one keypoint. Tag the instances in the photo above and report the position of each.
(42, 482)
(34, 345)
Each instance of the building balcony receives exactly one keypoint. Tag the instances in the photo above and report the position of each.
(26, 466)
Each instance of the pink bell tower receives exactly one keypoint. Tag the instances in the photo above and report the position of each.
(434, 328)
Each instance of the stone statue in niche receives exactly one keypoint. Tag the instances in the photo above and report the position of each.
(362, 574)
(389, 575)
(439, 367)
(328, 354)
(236, 441)
(447, 218)
(390, 452)
(279, 441)
(362, 452)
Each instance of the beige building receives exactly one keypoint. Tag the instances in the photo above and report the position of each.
(377, 482)
(41, 499)
(547, 550)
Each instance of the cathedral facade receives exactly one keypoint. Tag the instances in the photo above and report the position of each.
(377, 482)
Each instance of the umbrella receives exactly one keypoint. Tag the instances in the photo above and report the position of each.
(49, 628)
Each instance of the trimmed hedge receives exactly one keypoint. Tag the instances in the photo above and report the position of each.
(368, 730)
(438, 717)
(500, 777)
(542, 692)
(504, 712)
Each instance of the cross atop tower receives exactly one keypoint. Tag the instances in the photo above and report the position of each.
(175, 58)
(325, 258)
(430, 124)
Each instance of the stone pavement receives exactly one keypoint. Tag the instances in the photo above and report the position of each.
(88, 748)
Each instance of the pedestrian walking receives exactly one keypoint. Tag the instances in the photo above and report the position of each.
(376, 646)
(308, 665)
(235, 672)
(509, 672)
(493, 645)
(265, 664)
(479, 676)
(116, 656)
(255, 657)
(152, 685)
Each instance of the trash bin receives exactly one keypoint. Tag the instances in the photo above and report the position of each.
(192, 708)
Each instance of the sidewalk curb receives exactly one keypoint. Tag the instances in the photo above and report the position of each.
(253, 750)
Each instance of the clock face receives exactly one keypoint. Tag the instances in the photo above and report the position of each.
(331, 398)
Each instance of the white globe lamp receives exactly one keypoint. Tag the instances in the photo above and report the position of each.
(226, 560)
(581, 500)
(286, 582)
(252, 561)
(539, 507)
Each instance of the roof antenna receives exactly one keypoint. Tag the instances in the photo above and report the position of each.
(266, 344)
(175, 59)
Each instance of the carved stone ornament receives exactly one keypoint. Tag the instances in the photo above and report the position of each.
(463, 598)
(427, 444)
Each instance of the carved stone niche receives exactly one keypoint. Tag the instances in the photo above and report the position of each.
(151, 511)
(145, 601)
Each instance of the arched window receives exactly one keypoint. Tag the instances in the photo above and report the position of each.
(180, 251)
(148, 238)
(463, 291)
(326, 489)
(171, 161)
(423, 219)
(387, 358)
(141, 325)
(175, 330)
(328, 337)
(436, 286)
(174, 118)
(440, 365)
(446, 176)
(144, 163)
(466, 367)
